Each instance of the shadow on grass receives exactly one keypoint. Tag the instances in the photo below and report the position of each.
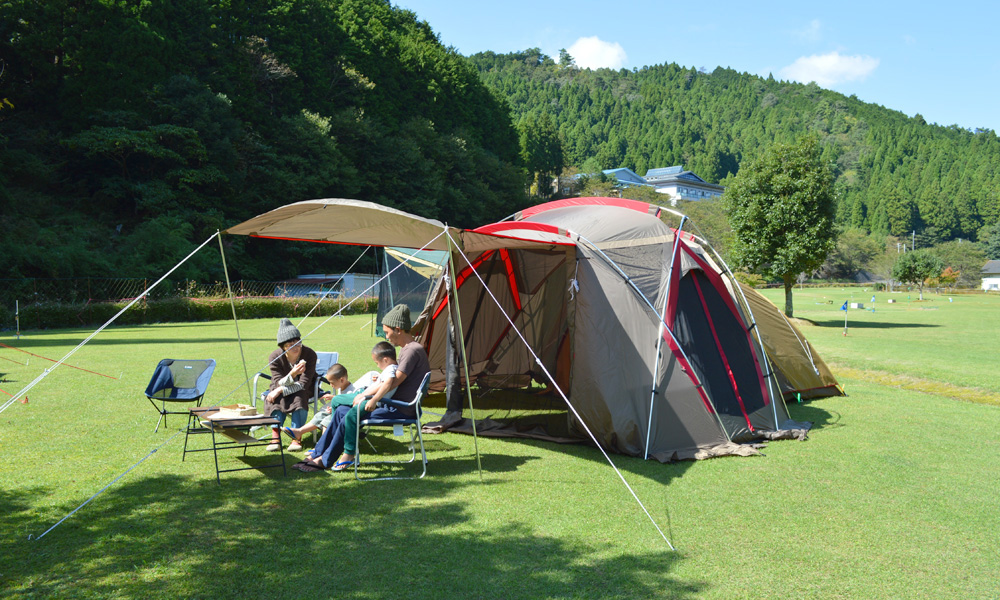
(815, 414)
(839, 324)
(322, 536)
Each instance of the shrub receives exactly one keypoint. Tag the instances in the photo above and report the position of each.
(50, 315)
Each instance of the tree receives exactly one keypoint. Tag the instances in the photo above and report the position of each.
(541, 152)
(781, 209)
(916, 267)
(852, 253)
(965, 259)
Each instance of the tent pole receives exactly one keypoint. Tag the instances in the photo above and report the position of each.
(236, 322)
(145, 292)
(659, 335)
(569, 404)
(453, 286)
(776, 394)
(694, 376)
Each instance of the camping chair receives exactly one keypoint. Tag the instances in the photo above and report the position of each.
(397, 425)
(178, 381)
(324, 360)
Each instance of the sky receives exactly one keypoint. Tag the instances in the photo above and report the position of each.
(941, 60)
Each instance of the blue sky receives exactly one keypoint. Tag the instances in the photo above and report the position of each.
(941, 60)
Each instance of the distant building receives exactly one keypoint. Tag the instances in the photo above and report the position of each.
(991, 276)
(626, 177)
(681, 185)
(328, 285)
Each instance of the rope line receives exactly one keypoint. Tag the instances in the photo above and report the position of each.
(113, 481)
(145, 292)
(334, 315)
(52, 360)
(566, 400)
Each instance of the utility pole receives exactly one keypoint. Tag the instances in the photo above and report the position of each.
(913, 242)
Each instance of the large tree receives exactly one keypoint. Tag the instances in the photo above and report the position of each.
(916, 267)
(781, 209)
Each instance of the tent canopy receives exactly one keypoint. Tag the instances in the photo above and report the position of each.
(341, 221)
(584, 281)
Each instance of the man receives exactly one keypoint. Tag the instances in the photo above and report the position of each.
(412, 366)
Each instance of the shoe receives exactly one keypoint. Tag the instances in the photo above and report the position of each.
(288, 431)
(295, 446)
(275, 447)
(343, 465)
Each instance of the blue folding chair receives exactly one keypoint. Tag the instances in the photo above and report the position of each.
(397, 424)
(178, 380)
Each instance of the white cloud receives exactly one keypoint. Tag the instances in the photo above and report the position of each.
(812, 32)
(594, 53)
(830, 69)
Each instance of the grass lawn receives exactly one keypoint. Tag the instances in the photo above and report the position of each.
(894, 495)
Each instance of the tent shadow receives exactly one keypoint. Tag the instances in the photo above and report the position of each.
(818, 416)
(188, 537)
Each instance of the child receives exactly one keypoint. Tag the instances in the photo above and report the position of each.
(336, 375)
(384, 355)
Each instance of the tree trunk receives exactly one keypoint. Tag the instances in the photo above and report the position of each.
(789, 283)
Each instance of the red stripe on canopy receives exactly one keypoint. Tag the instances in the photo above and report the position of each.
(636, 205)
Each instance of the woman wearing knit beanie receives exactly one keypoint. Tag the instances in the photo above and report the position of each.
(293, 374)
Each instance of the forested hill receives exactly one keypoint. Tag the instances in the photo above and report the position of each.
(894, 173)
(131, 131)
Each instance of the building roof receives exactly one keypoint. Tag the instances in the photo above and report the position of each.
(677, 174)
(992, 268)
(626, 176)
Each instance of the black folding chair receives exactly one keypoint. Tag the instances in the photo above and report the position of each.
(413, 425)
(178, 380)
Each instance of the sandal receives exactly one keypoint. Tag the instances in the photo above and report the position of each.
(288, 431)
(340, 466)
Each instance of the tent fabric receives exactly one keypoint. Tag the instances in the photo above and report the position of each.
(341, 221)
(597, 294)
(584, 282)
(800, 370)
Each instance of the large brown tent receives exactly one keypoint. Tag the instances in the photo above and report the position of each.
(655, 353)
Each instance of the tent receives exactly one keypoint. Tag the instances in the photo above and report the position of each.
(634, 323)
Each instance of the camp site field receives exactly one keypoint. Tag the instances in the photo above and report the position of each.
(896, 493)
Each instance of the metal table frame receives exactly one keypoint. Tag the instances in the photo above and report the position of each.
(234, 433)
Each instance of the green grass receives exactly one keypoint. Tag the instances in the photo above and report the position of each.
(894, 495)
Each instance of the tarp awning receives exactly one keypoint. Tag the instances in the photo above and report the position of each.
(341, 221)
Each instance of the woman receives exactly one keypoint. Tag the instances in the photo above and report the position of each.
(293, 375)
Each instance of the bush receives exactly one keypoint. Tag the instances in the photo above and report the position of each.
(50, 315)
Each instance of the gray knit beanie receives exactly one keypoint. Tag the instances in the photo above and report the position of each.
(287, 331)
(398, 318)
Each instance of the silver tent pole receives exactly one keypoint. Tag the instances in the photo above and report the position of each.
(236, 322)
(453, 288)
(635, 288)
(659, 336)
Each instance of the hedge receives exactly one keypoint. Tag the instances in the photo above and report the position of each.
(53, 315)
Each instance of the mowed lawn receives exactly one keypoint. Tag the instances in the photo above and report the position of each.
(896, 494)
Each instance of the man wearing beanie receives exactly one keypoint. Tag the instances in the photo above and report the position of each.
(293, 374)
(412, 366)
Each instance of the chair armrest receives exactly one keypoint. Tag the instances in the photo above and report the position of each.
(396, 403)
(255, 378)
